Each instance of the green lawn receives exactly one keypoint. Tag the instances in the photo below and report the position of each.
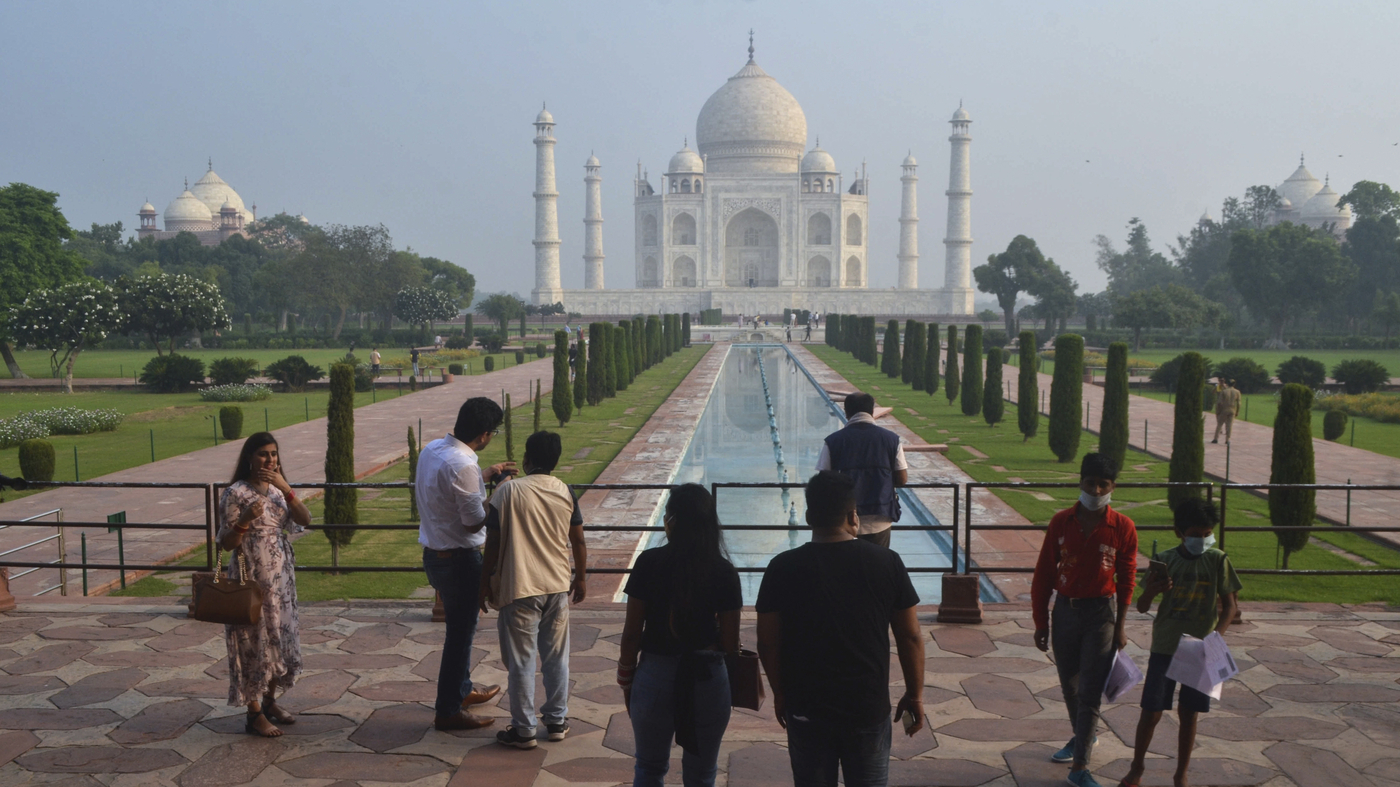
(128, 363)
(1032, 461)
(605, 429)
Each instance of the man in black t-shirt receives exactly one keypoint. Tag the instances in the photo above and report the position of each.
(825, 611)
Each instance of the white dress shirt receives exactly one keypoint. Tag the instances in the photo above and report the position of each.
(451, 496)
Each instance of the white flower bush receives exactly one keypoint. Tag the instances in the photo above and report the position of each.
(244, 392)
(421, 305)
(57, 420)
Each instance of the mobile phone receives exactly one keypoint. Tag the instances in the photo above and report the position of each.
(909, 720)
(1157, 567)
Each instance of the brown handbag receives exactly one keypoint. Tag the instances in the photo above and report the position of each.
(745, 680)
(221, 600)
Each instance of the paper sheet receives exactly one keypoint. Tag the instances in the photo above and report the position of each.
(1203, 664)
(1124, 675)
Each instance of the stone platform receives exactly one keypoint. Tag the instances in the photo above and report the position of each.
(128, 692)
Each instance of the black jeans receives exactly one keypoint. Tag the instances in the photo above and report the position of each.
(1081, 635)
(816, 746)
(456, 576)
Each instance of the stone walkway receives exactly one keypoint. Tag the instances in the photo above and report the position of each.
(128, 692)
(381, 437)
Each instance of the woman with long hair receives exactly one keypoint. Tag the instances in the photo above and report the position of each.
(257, 510)
(683, 601)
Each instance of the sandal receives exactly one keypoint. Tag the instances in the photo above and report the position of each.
(274, 713)
(251, 728)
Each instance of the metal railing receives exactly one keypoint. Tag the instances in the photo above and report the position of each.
(57, 513)
(1346, 528)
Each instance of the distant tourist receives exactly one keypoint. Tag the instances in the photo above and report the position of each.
(683, 602)
(872, 456)
(787, 333)
(825, 611)
(1089, 559)
(451, 494)
(1227, 406)
(808, 335)
(374, 362)
(533, 526)
(413, 356)
(256, 511)
(1190, 580)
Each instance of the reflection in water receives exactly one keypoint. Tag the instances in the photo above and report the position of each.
(735, 442)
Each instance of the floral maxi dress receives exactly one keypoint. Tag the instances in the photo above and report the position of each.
(269, 653)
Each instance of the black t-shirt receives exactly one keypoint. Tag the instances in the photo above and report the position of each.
(835, 601)
(650, 582)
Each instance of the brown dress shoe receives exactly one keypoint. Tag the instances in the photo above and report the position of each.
(481, 694)
(461, 720)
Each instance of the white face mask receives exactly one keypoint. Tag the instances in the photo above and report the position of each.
(1197, 546)
(1094, 502)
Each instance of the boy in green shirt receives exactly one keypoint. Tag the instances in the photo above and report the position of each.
(1195, 575)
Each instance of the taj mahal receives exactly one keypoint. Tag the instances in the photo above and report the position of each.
(752, 222)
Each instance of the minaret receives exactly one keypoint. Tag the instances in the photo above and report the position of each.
(958, 269)
(547, 287)
(593, 226)
(909, 226)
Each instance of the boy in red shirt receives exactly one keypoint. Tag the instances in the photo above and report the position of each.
(1089, 560)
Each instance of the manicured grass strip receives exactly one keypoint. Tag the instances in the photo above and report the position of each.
(937, 421)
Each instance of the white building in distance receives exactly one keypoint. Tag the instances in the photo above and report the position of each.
(748, 224)
(1303, 199)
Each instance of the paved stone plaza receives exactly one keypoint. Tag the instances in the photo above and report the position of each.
(124, 692)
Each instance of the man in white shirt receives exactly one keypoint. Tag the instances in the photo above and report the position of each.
(873, 457)
(451, 491)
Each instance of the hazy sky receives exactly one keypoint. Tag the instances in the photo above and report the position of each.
(417, 115)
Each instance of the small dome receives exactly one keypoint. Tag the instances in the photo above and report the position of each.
(961, 116)
(187, 210)
(818, 160)
(1300, 186)
(148, 208)
(909, 161)
(214, 192)
(1284, 203)
(686, 160)
(302, 218)
(1323, 205)
(592, 162)
(228, 208)
(544, 117)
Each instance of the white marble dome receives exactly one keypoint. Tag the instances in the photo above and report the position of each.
(961, 115)
(544, 117)
(1323, 206)
(148, 208)
(592, 162)
(910, 161)
(1300, 186)
(686, 160)
(818, 160)
(214, 192)
(188, 212)
(751, 124)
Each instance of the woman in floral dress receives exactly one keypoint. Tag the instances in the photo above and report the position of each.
(257, 511)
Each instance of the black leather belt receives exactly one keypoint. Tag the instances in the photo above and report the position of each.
(1086, 603)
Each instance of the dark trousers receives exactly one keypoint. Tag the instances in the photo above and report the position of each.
(881, 538)
(456, 575)
(816, 746)
(1081, 635)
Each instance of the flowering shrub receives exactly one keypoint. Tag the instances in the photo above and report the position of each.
(65, 321)
(240, 392)
(38, 424)
(167, 305)
(421, 305)
(1376, 406)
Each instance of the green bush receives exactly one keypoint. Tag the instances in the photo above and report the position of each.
(972, 371)
(1304, 371)
(1067, 397)
(341, 506)
(231, 421)
(412, 383)
(1028, 388)
(562, 397)
(916, 344)
(454, 368)
(1166, 375)
(1293, 464)
(890, 362)
(1188, 435)
(519, 357)
(36, 461)
(1113, 418)
(412, 474)
(933, 337)
(617, 358)
(833, 330)
(457, 343)
(685, 329)
(507, 427)
(1360, 375)
(581, 374)
(993, 404)
(951, 374)
(598, 362)
(232, 371)
(1334, 425)
(172, 373)
(1249, 375)
(907, 367)
(493, 342)
(539, 350)
(293, 372)
(489, 363)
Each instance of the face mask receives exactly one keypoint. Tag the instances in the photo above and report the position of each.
(1198, 546)
(1094, 502)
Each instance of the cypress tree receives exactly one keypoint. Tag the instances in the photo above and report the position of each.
(675, 334)
(639, 346)
(597, 362)
(1292, 464)
(629, 365)
(972, 371)
(890, 361)
(616, 359)
(916, 340)
(562, 400)
(539, 398)
(509, 431)
(341, 506)
(935, 349)
(872, 356)
(1188, 434)
(581, 374)
(685, 329)
(833, 330)
(1067, 396)
(653, 340)
(468, 329)
(1113, 420)
(609, 368)
(951, 377)
(1028, 388)
(993, 403)
(907, 367)
(412, 474)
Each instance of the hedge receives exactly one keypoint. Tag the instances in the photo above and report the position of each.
(231, 421)
(1067, 397)
(934, 339)
(1334, 425)
(341, 506)
(36, 460)
(889, 360)
(951, 376)
(1113, 418)
(1188, 435)
(993, 404)
(1293, 464)
(916, 340)
(1028, 388)
(562, 398)
(972, 371)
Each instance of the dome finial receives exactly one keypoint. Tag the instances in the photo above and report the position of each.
(685, 141)
(187, 184)
(750, 46)
(1300, 159)
(211, 163)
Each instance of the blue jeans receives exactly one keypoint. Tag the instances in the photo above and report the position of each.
(654, 726)
(817, 745)
(529, 625)
(456, 576)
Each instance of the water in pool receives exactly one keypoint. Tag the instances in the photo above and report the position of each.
(737, 441)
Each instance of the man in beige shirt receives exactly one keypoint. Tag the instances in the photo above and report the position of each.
(533, 528)
(1227, 406)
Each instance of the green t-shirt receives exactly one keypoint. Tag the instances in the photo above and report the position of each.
(1191, 606)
